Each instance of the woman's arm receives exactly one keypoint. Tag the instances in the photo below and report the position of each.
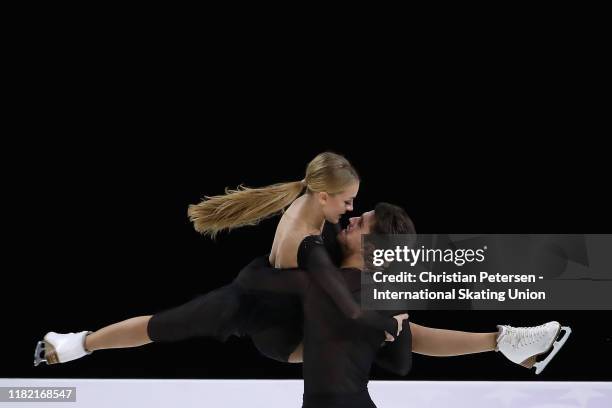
(313, 257)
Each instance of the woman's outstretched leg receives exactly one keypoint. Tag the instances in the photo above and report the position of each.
(127, 333)
(445, 343)
(61, 348)
(521, 345)
(217, 314)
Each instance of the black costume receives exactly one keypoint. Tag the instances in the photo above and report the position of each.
(279, 308)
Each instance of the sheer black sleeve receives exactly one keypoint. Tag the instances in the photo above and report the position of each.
(313, 258)
(330, 239)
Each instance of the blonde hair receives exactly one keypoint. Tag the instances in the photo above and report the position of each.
(327, 172)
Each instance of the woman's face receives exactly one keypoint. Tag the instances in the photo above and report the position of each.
(335, 205)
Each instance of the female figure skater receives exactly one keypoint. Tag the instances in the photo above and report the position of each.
(331, 185)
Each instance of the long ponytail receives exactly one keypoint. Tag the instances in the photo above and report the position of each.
(243, 206)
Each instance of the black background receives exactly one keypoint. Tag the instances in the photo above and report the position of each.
(112, 151)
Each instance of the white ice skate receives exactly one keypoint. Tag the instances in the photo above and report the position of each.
(522, 345)
(60, 348)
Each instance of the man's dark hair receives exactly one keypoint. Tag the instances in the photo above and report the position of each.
(391, 219)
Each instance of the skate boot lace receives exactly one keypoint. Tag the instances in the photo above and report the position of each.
(524, 336)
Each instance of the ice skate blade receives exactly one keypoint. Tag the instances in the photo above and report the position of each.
(50, 356)
(557, 345)
(40, 348)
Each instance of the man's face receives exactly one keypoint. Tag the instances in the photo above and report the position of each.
(350, 237)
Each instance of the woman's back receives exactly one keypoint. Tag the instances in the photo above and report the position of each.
(292, 228)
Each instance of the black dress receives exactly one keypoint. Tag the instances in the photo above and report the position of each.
(262, 303)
